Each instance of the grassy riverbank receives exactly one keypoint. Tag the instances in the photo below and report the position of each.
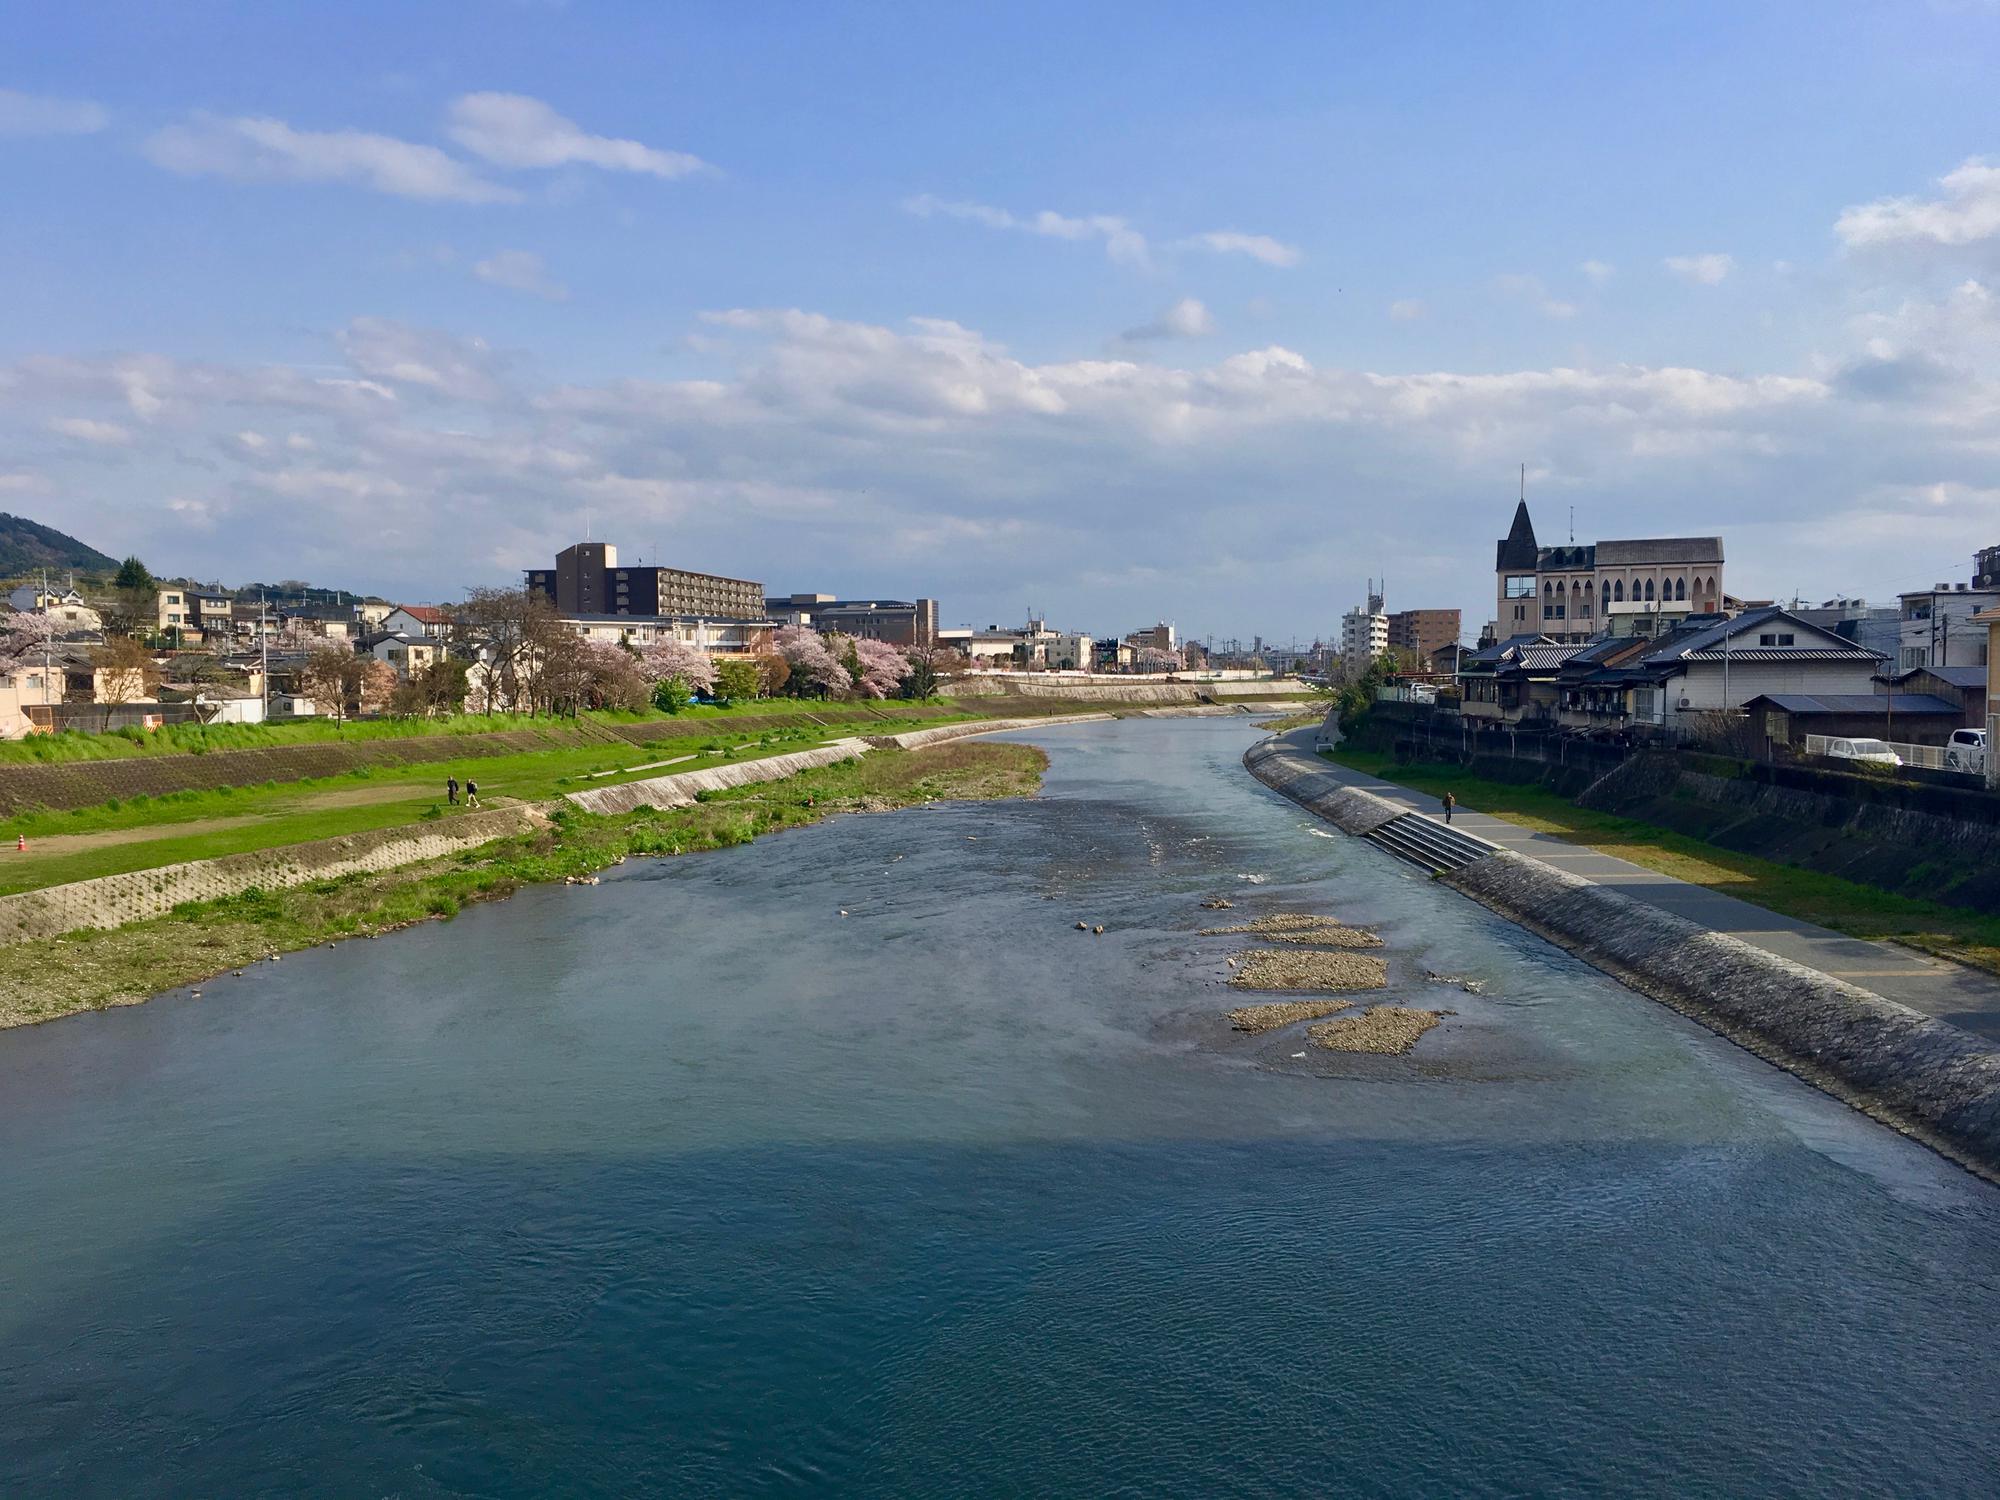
(1843, 905)
(139, 833)
(90, 970)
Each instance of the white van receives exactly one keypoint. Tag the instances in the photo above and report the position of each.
(1966, 752)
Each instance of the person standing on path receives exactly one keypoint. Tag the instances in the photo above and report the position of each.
(451, 790)
(471, 792)
(1449, 803)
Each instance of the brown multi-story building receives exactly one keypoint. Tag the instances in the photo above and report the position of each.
(1424, 631)
(587, 580)
(900, 622)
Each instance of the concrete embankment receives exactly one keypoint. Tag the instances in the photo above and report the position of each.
(916, 739)
(114, 900)
(679, 790)
(1925, 1077)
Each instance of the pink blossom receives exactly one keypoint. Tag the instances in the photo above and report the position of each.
(813, 665)
(883, 668)
(691, 664)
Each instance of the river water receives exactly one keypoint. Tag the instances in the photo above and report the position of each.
(841, 1163)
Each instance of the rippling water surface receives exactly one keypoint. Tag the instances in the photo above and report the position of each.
(688, 1183)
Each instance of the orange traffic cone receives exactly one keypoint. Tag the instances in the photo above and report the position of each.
(20, 843)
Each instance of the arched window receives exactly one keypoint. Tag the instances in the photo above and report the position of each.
(1649, 591)
(1680, 588)
(1547, 589)
(1618, 591)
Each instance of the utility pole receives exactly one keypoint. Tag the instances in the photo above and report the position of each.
(264, 653)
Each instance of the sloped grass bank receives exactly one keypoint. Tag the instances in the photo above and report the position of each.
(1828, 900)
(90, 971)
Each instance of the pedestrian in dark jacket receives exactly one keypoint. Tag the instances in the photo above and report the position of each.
(451, 790)
(1449, 803)
(471, 792)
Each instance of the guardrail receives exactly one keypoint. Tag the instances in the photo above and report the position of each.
(1927, 757)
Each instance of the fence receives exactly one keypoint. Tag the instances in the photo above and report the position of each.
(1926, 757)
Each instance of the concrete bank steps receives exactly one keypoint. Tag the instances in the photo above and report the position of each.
(1427, 843)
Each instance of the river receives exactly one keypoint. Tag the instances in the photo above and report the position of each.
(842, 1163)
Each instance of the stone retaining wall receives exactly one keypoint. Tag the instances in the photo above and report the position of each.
(114, 900)
(679, 790)
(1921, 1075)
(1034, 687)
(916, 739)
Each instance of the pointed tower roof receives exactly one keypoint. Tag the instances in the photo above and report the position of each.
(1518, 554)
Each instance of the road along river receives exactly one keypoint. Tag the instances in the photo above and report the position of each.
(842, 1162)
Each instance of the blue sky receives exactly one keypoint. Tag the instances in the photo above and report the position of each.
(1119, 311)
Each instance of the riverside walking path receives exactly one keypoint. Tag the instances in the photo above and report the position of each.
(1951, 992)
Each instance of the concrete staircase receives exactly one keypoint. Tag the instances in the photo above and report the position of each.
(1429, 844)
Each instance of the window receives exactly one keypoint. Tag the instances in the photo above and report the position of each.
(1618, 592)
(1649, 591)
(1521, 586)
(1680, 588)
(1776, 638)
(1913, 656)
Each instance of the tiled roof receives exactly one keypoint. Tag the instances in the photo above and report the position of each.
(1887, 704)
(1648, 551)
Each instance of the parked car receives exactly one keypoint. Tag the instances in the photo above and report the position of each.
(1966, 752)
(1874, 752)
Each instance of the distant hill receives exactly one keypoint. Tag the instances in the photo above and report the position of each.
(28, 546)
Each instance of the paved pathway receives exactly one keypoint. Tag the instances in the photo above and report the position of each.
(1965, 997)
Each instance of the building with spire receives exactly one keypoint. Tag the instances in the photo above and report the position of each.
(1576, 592)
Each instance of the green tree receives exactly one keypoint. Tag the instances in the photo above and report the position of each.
(671, 695)
(132, 574)
(737, 681)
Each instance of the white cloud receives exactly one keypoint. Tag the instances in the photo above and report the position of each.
(1598, 271)
(260, 149)
(22, 484)
(1530, 289)
(1407, 310)
(1257, 246)
(520, 271)
(866, 439)
(394, 354)
(1700, 270)
(1121, 241)
(90, 430)
(1186, 319)
(514, 130)
(40, 114)
(1968, 211)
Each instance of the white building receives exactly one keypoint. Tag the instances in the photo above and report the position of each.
(1937, 628)
(1364, 634)
(725, 638)
(1761, 652)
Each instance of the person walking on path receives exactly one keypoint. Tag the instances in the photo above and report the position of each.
(1449, 803)
(471, 793)
(451, 790)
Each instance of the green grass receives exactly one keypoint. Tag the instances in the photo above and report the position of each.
(89, 970)
(272, 814)
(199, 739)
(1843, 905)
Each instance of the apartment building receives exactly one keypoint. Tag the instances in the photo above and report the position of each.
(587, 579)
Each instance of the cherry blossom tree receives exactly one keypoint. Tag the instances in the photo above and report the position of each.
(882, 668)
(815, 670)
(26, 637)
(665, 661)
(1153, 659)
(612, 678)
(378, 682)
